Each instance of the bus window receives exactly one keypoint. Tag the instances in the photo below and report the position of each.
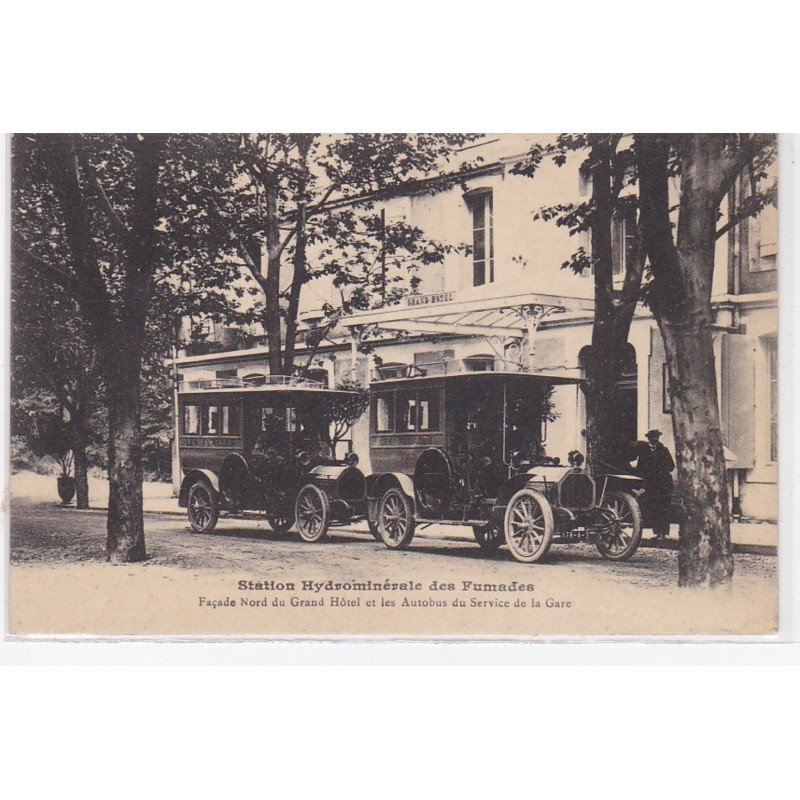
(191, 419)
(212, 420)
(230, 420)
(384, 408)
(405, 412)
(428, 410)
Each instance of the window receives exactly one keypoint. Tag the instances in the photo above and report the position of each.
(428, 410)
(482, 238)
(405, 412)
(584, 180)
(191, 419)
(763, 241)
(417, 411)
(212, 420)
(230, 420)
(666, 401)
(772, 363)
(384, 407)
(623, 239)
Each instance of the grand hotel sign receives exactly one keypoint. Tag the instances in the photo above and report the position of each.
(429, 299)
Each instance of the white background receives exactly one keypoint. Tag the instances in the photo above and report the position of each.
(402, 731)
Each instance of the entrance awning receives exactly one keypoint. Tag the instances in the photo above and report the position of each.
(469, 314)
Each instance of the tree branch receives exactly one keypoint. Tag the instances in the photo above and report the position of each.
(734, 163)
(749, 208)
(234, 239)
(45, 270)
(105, 203)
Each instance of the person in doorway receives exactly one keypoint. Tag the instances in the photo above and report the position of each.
(655, 465)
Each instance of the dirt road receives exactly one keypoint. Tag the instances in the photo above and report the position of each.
(61, 583)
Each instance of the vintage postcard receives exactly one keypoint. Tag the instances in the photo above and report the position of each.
(394, 385)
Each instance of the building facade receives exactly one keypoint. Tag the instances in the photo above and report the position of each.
(475, 308)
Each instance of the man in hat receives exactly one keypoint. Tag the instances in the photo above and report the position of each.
(654, 466)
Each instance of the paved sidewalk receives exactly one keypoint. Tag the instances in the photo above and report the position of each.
(748, 537)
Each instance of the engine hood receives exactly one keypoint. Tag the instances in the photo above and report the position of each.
(549, 473)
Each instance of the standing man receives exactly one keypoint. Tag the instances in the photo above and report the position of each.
(654, 466)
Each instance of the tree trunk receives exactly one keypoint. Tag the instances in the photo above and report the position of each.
(272, 283)
(705, 556)
(298, 281)
(125, 530)
(681, 302)
(81, 466)
(603, 371)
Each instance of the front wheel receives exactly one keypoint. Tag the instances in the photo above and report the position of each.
(202, 508)
(312, 513)
(529, 526)
(395, 519)
(618, 537)
(373, 529)
(489, 536)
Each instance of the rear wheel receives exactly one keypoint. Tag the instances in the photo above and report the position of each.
(202, 508)
(489, 537)
(529, 526)
(312, 513)
(619, 536)
(280, 522)
(395, 519)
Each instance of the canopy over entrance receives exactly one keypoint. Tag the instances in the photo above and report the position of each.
(453, 312)
(502, 316)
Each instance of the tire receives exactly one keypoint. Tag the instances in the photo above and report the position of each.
(202, 507)
(490, 537)
(373, 529)
(395, 519)
(281, 521)
(625, 517)
(528, 526)
(312, 513)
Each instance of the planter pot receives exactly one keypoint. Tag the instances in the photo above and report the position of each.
(66, 488)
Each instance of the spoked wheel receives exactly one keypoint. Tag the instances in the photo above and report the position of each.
(312, 513)
(373, 529)
(619, 536)
(202, 508)
(281, 521)
(529, 526)
(395, 519)
(489, 537)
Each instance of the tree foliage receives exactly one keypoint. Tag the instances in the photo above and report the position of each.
(344, 410)
(274, 212)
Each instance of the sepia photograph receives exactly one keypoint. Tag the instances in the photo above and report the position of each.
(430, 385)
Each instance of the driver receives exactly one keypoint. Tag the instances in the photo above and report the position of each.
(312, 441)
